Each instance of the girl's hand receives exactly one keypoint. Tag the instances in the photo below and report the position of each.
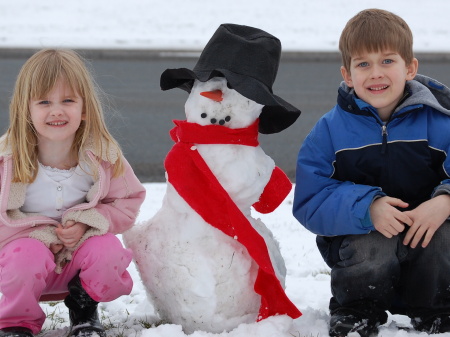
(386, 218)
(55, 248)
(427, 218)
(71, 233)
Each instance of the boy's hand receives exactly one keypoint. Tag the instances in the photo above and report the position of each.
(427, 218)
(71, 233)
(387, 219)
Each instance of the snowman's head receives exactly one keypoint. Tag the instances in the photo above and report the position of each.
(215, 102)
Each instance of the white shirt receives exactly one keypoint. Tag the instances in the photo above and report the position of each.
(54, 191)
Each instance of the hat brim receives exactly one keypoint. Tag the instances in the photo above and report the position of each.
(276, 115)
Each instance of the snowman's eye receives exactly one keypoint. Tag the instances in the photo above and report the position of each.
(203, 115)
(229, 85)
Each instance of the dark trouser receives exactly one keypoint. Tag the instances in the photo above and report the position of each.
(371, 274)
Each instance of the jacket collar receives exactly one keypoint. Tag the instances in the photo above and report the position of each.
(422, 90)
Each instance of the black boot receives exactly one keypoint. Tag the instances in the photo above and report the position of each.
(84, 321)
(16, 331)
(345, 321)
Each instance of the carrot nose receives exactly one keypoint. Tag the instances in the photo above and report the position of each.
(215, 95)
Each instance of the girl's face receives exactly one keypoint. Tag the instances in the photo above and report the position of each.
(58, 116)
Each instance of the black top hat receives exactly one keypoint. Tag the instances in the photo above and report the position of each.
(248, 58)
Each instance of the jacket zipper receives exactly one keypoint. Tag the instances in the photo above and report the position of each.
(384, 135)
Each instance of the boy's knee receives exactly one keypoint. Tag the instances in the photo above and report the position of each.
(441, 239)
(373, 248)
(443, 233)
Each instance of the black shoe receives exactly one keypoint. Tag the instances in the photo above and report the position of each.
(432, 325)
(343, 322)
(83, 314)
(16, 331)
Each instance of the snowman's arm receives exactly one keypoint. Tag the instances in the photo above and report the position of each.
(274, 193)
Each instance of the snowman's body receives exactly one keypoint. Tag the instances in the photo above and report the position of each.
(196, 275)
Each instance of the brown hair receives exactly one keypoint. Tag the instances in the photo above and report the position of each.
(374, 30)
(35, 80)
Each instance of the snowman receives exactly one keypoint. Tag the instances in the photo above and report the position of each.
(205, 262)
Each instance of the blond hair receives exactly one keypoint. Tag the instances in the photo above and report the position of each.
(374, 30)
(35, 80)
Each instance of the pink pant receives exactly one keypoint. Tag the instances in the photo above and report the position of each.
(27, 272)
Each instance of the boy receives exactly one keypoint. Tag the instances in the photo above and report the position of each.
(373, 182)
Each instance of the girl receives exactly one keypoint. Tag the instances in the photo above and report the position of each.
(65, 190)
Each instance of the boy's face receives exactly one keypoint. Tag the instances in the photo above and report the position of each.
(379, 78)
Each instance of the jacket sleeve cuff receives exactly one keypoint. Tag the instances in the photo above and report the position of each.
(366, 222)
(98, 224)
(46, 235)
(90, 217)
(442, 189)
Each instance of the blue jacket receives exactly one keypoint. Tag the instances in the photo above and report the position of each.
(352, 157)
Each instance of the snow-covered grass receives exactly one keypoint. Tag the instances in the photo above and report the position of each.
(307, 285)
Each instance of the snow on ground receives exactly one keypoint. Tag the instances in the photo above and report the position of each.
(187, 25)
(307, 285)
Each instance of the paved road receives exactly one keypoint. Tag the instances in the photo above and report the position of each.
(140, 115)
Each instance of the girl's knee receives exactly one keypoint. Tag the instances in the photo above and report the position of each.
(103, 249)
(26, 256)
(25, 253)
(103, 262)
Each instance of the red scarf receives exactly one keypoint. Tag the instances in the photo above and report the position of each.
(193, 180)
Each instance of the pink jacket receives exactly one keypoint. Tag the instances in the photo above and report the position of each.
(112, 206)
